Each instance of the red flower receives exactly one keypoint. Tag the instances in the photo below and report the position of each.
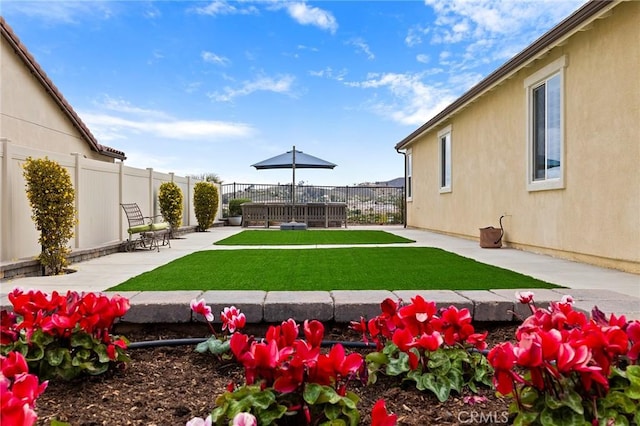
(18, 391)
(8, 333)
(503, 359)
(380, 416)
(633, 333)
(456, 325)
(417, 314)
(313, 332)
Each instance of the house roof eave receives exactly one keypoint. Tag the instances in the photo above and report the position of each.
(554, 37)
(53, 91)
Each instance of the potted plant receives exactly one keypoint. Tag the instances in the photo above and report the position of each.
(235, 210)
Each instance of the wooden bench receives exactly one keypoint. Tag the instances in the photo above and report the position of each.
(146, 229)
(318, 214)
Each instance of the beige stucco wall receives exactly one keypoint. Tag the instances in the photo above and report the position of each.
(28, 114)
(596, 217)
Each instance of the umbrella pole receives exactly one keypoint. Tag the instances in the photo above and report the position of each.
(293, 186)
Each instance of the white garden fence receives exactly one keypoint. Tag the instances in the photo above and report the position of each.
(100, 188)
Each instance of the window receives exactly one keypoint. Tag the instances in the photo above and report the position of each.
(409, 167)
(545, 127)
(444, 140)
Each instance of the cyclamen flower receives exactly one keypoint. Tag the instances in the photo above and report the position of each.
(245, 419)
(380, 417)
(200, 307)
(19, 391)
(524, 296)
(199, 421)
(567, 299)
(232, 319)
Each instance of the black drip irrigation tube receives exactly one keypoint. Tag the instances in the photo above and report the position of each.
(194, 341)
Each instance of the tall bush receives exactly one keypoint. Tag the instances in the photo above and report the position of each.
(205, 203)
(170, 198)
(52, 199)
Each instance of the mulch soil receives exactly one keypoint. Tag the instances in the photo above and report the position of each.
(171, 385)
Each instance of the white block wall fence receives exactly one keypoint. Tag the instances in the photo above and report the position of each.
(100, 188)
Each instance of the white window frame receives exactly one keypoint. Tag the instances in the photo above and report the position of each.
(534, 81)
(408, 185)
(444, 157)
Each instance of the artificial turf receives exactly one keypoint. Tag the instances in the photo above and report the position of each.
(359, 268)
(310, 237)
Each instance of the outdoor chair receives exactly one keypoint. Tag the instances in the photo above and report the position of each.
(149, 231)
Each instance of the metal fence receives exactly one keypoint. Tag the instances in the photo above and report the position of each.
(366, 205)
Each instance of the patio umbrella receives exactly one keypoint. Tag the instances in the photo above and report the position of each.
(293, 160)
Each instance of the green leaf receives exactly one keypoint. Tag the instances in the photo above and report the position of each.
(573, 400)
(399, 365)
(101, 351)
(332, 411)
(561, 417)
(619, 401)
(56, 422)
(82, 340)
(633, 375)
(525, 418)
(55, 356)
(311, 393)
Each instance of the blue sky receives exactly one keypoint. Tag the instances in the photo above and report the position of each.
(196, 87)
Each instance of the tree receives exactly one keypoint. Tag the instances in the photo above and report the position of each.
(205, 203)
(170, 198)
(207, 177)
(52, 200)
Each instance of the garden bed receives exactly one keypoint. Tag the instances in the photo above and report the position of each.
(171, 385)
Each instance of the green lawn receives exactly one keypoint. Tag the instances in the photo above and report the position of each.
(363, 268)
(310, 237)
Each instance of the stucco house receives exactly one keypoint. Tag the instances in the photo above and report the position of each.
(33, 112)
(550, 140)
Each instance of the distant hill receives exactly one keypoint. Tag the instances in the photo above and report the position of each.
(393, 183)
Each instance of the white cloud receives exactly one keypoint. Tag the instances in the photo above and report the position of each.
(412, 101)
(307, 15)
(328, 72)
(221, 7)
(114, 119)
(66, 12)
(214, 59)
(422, 58)
(281, 84)
(363, 47)
(414, 37)
(110, 127)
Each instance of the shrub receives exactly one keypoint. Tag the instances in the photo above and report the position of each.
(64, 335)
(205, 203)
(52, 199)
(170, 198)
(234, 206)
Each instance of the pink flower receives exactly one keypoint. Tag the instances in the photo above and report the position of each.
(474, 399)
(524, 296)
(245, 419)
(567, 299)
(200, 307)
(232, 319)
(199, 421)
